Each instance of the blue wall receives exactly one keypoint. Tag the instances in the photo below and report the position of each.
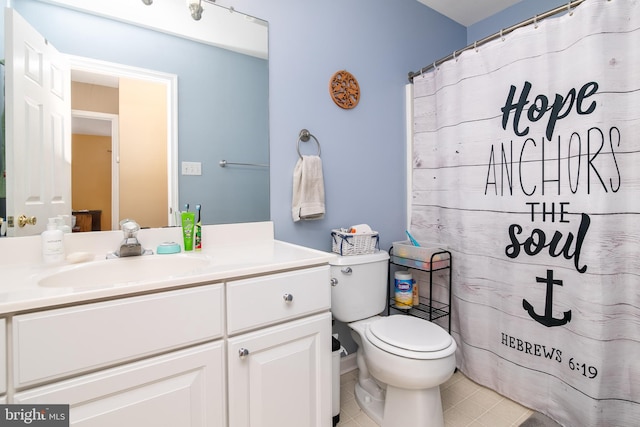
(363, 149)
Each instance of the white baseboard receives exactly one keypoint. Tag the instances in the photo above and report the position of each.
(348, 363)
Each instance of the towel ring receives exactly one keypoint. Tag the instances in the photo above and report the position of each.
(304, 136)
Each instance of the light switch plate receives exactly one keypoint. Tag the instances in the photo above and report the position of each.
(191, 168)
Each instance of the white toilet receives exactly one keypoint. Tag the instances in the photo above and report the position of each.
(402, 360)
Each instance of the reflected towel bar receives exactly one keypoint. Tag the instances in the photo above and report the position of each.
(224, 163)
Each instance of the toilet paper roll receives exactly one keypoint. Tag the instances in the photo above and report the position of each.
(361, 228)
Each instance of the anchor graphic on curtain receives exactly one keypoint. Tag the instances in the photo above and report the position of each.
(547, 318)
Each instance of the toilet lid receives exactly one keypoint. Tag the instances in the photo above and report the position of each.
(410, 333)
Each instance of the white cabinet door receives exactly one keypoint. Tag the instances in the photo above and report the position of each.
(281, 376)
(3, 356)
(184, 388)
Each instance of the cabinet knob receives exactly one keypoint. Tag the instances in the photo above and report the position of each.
(334, 281)
(242, 353)
(287, 297)
(346, 270)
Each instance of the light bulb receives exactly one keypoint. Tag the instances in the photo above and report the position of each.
(195, 7)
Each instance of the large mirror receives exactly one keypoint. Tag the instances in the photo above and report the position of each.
(221, 87)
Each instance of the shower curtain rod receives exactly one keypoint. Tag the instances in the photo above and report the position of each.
(501, 33)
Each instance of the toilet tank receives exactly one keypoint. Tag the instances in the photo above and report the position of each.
(359, 286)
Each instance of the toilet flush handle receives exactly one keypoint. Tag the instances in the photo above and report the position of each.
(347, 270)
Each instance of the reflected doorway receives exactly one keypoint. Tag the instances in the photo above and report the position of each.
(124, 144)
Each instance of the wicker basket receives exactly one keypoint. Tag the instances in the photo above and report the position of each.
(355, 243)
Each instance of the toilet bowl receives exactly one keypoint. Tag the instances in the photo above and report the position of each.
(402, 360)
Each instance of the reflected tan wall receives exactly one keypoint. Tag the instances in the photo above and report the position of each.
(91, 154)
(143, 152)
(141, 107)
(91, 175)
(90, 97)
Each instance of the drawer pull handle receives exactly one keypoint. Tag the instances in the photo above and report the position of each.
(347, 270)
(334, 281)
(243, 353)
(287, 297)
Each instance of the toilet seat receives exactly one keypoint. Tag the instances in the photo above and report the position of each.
(410, 337)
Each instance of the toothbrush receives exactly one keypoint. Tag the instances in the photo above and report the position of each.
(414, 242)
(186, 207)
(198, 245)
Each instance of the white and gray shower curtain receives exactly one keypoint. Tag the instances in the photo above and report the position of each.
(526, 164)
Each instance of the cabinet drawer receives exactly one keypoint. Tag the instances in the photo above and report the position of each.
(261, 301)
(56, 343)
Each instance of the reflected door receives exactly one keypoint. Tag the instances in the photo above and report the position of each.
(38, 125)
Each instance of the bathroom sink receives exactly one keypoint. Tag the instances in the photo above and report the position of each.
(125, 270)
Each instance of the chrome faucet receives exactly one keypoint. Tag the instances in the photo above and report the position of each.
(130, 246)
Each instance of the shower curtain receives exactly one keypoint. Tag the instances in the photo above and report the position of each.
(526, 165)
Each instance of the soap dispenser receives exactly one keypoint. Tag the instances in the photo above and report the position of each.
(52, 243)
(62, 223)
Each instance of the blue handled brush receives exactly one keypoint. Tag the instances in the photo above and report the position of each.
(414, 242)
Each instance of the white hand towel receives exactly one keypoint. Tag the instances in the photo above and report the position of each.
(308, 189)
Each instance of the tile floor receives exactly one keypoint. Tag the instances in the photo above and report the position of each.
(465, 403)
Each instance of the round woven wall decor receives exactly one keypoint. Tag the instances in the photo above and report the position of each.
(344, 89)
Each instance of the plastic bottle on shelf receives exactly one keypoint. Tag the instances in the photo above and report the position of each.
(403, 290)
(416, 294)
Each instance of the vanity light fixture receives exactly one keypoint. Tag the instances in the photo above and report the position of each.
(195, 7)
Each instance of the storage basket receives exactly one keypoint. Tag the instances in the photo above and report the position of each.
(355, 243)
(407, 254)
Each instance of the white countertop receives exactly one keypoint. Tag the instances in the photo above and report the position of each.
(233, 251)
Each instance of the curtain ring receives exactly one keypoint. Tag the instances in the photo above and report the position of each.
(501, 36)
(454, 56)
(569, 9)
(535, 21)
(435, 67)
(475, 45)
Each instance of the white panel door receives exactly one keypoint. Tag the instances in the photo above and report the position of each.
(38, 127)
(281, 376)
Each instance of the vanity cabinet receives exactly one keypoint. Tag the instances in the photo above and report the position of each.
(280, 375)
(248, 352)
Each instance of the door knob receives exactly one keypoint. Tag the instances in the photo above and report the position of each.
(24, 220)
(287, 297)
(334, 281)
(242, 353)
